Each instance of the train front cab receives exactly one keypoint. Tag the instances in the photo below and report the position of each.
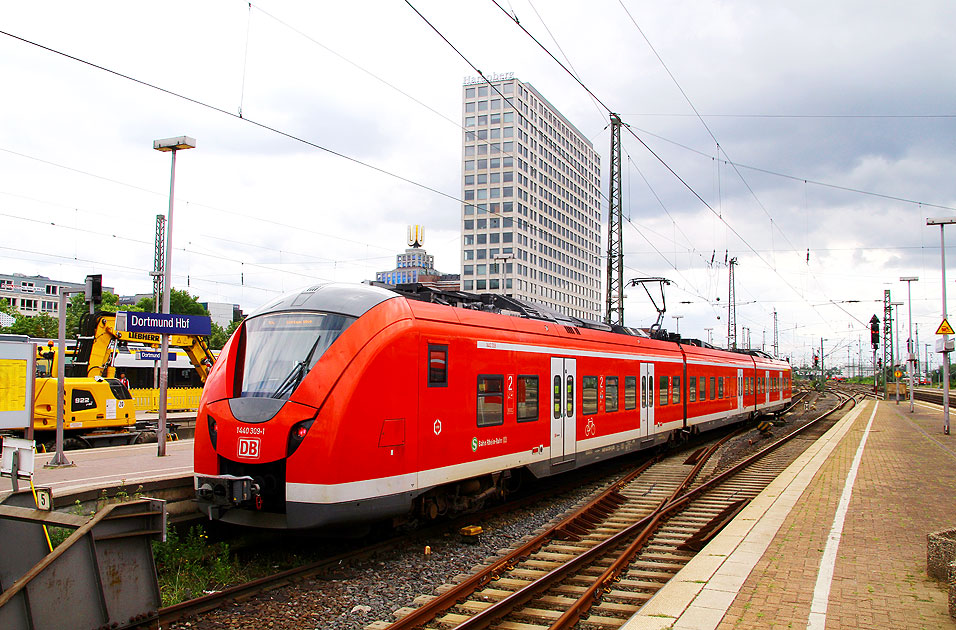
(306, 455)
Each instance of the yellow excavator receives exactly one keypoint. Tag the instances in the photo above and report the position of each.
(98, 408)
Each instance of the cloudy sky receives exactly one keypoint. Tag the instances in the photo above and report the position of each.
(819, 135)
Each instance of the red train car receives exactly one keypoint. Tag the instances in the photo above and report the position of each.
(352, 403)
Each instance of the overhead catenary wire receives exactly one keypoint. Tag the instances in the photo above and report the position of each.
(236, 116)
(664, 163)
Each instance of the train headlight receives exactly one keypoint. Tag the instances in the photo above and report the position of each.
(213, 430)
(297, 434)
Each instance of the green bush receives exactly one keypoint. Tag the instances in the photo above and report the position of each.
(190, 565)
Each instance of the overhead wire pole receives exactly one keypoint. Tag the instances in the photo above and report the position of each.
(615, 247)
(158, 273)
(776, 338)
(731, 309)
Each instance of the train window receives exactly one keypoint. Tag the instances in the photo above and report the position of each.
(281, 348)
(630, 392)
(691, 389)
(437, 366)
(589, 395)
(557, 397)
(610, 394)
(703, 388)
(675, 396)
(662, 398)
(643, 391)
(569, 395)
(490, 400)
(713, 387)
(720, 387)
(527, 398)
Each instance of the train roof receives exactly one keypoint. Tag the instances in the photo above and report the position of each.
(356, 299)
(332, 297)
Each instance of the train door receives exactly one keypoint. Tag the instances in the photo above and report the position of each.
(740, 388)
(563, 416)
(647, 399)
(766, 387)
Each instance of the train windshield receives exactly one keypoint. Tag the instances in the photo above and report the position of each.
(281, 349)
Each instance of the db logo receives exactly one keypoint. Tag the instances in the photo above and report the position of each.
(249, 448)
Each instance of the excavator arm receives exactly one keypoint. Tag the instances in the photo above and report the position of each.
(95, 351)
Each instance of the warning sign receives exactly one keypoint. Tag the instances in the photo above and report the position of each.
(945, 328)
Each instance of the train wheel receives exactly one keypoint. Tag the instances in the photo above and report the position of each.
(75, 444)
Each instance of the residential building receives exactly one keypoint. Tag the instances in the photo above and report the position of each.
(531, 215)
(32, 295)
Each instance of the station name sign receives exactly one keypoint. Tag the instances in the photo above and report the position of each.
(161, 323)
(494, 76)
(151, 355)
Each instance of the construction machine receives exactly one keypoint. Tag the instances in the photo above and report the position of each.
(98, 408)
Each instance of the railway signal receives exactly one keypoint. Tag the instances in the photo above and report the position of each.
(875, 332)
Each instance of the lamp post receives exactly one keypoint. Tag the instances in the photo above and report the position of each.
(910, 367)
(677, 324)
(944, 345)
(168, 145)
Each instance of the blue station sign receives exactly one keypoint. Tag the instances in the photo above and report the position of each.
(161, 323)
(155, 355)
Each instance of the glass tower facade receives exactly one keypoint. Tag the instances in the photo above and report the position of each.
(531, 216)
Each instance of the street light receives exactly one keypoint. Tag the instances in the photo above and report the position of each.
(168, 145)
(910, 367)
(944, 345)
(677, 324)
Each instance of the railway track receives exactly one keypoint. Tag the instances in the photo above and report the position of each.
(599, 566)
(628, 502)
(930, 396)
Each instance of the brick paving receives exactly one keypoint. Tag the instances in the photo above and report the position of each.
(904, 490)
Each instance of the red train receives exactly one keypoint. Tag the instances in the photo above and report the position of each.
(352, 403)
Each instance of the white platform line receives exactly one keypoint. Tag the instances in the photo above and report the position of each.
(821, 591)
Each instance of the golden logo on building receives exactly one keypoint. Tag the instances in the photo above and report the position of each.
(416, 235)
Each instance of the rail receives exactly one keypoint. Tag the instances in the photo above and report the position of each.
(632, 538)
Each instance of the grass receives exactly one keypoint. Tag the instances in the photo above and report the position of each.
(189, 565)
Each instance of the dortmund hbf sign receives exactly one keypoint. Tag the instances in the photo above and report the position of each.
(161, 323)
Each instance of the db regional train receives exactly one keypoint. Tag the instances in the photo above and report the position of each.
(343, 404)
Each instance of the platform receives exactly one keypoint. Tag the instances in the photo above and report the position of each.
(837, 542)
(111, 467)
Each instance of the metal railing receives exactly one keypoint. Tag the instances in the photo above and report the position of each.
(177, 398)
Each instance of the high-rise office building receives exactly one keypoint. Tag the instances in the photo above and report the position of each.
(531, 217)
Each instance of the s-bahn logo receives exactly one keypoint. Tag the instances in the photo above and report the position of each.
(248, 447)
